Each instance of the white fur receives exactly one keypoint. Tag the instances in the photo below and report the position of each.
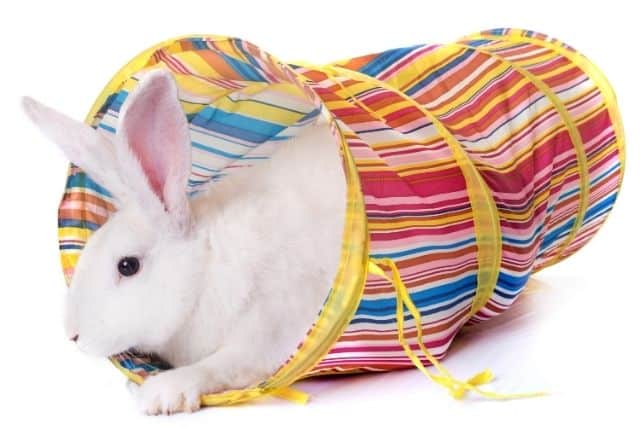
(226, 299)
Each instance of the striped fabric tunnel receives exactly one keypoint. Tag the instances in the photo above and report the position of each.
(469, 166)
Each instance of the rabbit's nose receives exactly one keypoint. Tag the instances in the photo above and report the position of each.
(74, 338)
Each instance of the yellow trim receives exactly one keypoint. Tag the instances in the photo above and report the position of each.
(576, 141)
(588, 68)
(348, 284)
(457, 388)
(134, 65)
(288, 393)
(485, 213)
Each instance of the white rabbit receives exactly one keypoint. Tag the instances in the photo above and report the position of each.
(224, 285)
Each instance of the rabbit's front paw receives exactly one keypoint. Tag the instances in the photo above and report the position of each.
(176, 390)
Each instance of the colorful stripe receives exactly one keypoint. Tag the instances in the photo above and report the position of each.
(469, 166)
(536, 128)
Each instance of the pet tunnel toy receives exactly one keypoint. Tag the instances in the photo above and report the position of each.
(469, 166)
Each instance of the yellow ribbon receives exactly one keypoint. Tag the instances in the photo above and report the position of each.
(292, 395)
(457, 388)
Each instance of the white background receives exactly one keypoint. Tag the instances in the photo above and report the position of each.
(574, 334)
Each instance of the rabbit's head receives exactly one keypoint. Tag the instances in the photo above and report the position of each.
(137, 279)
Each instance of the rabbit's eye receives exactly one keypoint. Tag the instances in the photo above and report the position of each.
(128, 266)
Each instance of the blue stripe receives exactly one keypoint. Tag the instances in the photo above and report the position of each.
(407, 316)
(439, 72)
(512, 282)
(226, 138)
(478, 42)
(424, 298)
(568, 194)
(115, 101)
(593, 182)
(107, 103)
(245, 70)
(216, 151)
(199, 44)
(131, 365)
(70, 247)
(82, 180)
(361, 132)
(384, 59)
(236, 125)
(592, 212)
(423, 249)
(248, 56)
(78, 224)
(204, 168)
(308, 116)
(555, 234)
(606, 173)
(509, 286)
(601, 207)
(107, 127)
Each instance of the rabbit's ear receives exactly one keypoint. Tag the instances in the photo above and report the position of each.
(153, 141)
(82, 145)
